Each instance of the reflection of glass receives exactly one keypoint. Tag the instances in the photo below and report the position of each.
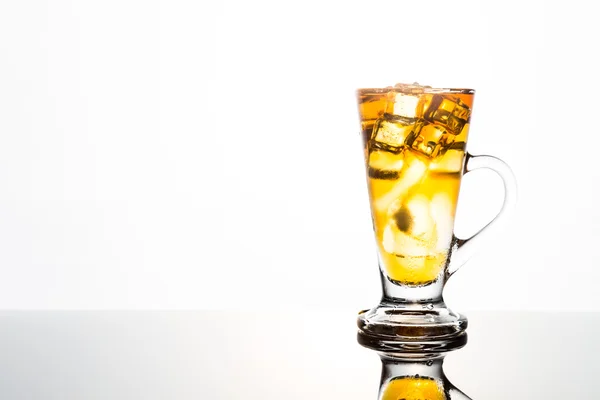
(414, 374)
(415, 153)
(416, 379)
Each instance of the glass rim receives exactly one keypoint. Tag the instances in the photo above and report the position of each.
(414, 89)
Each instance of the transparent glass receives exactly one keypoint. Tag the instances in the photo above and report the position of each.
(414, 140)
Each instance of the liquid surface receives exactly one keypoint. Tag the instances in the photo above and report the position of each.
(414, 141)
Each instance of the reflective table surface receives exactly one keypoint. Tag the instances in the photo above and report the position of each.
(294, 354)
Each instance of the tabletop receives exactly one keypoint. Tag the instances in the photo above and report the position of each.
(274, 354)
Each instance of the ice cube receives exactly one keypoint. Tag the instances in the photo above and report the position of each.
(452, 161)
(423, 225)
(402, 244)
(412, 230)
(399, 243)
(403, 105)
(412, 215)
(413, 171)
(411, 87)
(449, 112)
(385, 165)
(430, 140)
(390, 133)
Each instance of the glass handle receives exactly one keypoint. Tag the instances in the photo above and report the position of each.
(463, 249)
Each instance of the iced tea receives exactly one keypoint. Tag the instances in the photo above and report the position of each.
(414, 141)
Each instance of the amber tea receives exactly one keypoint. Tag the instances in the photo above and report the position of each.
(414, 142)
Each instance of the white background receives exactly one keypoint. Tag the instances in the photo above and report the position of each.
(185, 154)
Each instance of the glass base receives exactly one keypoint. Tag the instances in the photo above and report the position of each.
(411, 328)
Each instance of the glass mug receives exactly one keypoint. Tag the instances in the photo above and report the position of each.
(414, 141)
